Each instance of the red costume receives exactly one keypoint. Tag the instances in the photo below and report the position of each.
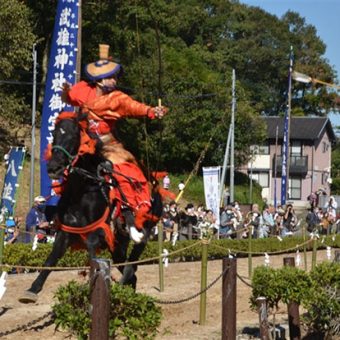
(103, 112)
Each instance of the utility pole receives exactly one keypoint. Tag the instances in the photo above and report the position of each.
(232, 141)
(225, 165)
(34, 99)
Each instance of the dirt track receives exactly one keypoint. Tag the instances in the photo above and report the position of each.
(180, 321)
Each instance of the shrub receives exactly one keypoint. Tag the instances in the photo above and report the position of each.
(323, 301)
(318, 292)
(22, 254)
(132, 315)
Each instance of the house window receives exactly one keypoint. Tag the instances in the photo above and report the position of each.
(325, 147)
(325, 177)
(295, 188)
(296, 148)
(260, 149)
(261, 177)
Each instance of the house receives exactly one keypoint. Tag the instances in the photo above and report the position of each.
(311, 140)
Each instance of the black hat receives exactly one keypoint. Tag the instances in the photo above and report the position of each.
(189, 206)
(172, 203)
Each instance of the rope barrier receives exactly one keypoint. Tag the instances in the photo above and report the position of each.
(191, 297)
(298, 246)
(28, 324)
(243, 280)
(3, 226)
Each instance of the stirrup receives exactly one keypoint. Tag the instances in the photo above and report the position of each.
(135, 235)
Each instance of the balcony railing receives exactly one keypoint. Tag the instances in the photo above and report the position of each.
(298, 165)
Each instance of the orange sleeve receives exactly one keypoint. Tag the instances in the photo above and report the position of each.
(118, 105)
(81, 93)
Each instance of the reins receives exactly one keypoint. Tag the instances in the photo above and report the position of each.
(69, 156)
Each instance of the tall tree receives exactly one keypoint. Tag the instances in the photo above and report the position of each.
(183, 52)
(16, 42)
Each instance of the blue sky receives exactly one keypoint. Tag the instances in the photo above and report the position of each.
(323, 14)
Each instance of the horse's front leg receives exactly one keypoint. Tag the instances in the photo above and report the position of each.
(129, 271)
(94, 241)
(60, 246)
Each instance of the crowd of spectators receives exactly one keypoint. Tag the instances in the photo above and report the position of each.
(324, 220)
(193, 222)
(187, 223)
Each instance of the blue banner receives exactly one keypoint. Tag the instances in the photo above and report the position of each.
(285, 145)
(14, 163)
(284, 160)
(61, 69)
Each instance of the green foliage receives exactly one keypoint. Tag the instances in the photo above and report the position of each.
(22, 254)
(285, 284)
(182, 52)
(266, 283)
(318, 292)
(194, 191)
(72, 308)
(296, 283)
(323, 301)
(132, 315)
(335, 186)
(16, 41)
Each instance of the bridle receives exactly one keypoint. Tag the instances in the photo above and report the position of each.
(68, 155)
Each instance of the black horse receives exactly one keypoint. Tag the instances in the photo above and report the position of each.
(86, 199)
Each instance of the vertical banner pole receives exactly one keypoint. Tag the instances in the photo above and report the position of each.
(34, 101)
(232, 141)
(286, 136)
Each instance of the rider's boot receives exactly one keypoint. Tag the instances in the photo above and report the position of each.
(135, 235)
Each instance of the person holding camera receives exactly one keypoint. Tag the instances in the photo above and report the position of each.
(289, 220)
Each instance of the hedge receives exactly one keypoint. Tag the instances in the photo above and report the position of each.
(20, 254)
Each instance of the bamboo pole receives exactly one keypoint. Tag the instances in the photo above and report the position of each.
(160, 252)
(203, 298)
(314, 251)
(250, 260)
(304, 246)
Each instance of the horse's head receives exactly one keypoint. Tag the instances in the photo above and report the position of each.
(66, 141)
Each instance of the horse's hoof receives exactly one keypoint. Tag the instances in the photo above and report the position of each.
(28, 297)
(135, 235)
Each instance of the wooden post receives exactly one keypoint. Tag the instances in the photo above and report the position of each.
(203, 296)
(337, 255)
(100, 299)
(250, 260)
(263, 318)
(160, 252)
(293, 309)
(289, 261)
(315, 240)
(229, 299)
(304, 247)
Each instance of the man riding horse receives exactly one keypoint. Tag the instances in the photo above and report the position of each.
(104, 105)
